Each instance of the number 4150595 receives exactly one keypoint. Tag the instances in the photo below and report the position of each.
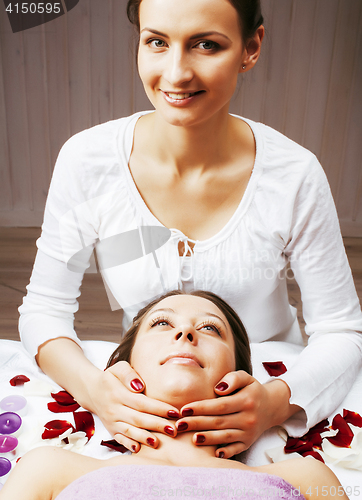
(34, 8)
(333, 491)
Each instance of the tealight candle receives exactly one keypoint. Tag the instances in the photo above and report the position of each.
(5, 466)
(9, 423)
(7, 445)
(16, 404)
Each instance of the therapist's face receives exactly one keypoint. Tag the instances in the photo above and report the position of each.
(190, 55)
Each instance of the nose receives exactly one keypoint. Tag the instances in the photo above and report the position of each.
(178, 69)
(186, 337)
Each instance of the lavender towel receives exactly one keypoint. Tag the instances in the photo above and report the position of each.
(132, 482)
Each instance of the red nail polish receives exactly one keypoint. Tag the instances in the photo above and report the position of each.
(221, 454)
(200, 439)
(187, 412)
(182, 426)
(134, 448)
(222, 386)
(169, 430)
(173, 414)
(137, 385)
(150, 441)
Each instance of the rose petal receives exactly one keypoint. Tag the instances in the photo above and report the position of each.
(57, 408)
(313, 454)
(19, 380)
(275, 368)
(84, 422)
(345, 434)
(63, 398)
(114, 445)
(352, 418)
(298, 445)
(55, 428)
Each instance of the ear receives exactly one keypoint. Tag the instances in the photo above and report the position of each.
(252, 50)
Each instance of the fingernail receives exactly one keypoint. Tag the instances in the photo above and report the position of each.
(182, 426)
(187, 412)
(134, 448)
(173, 414)
(221, 454)
(150, 441)
(169, 430)
(136, 384)
(200, 439)
(222, 386)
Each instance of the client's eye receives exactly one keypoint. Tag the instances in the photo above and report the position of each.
(212, 327)
(160, 322)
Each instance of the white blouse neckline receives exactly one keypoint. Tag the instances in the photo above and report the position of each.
(125, 150)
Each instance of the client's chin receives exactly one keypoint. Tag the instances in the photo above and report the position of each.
(180, 387)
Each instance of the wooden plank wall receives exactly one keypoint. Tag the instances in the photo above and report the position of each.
(79, 70)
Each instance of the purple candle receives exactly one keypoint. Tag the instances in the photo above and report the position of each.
(5, 466)
(9, 423)
(16, 404)
(7, 444)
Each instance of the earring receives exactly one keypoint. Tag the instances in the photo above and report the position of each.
(244, 67)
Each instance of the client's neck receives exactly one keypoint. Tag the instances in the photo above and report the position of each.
(179, 451)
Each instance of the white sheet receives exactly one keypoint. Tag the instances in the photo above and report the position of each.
(14, 360)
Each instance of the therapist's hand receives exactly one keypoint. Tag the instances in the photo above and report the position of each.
(242, 412)
(116, 397)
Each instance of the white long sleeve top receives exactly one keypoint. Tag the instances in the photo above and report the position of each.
(286, 215)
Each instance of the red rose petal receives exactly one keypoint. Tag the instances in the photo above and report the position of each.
(57, 408)
(352, 418)
(298, 445)
(84, 422)
(19, 380)
(114, 445)
(55, 428)
(344, 436)
(64, 398)
(313, 454)
(275, 368)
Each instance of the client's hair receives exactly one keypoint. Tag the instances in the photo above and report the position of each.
(241, 341)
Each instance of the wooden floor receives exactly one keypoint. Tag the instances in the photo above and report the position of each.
(94, 320)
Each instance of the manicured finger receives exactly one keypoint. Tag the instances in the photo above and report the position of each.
(218, 438)
(127, 375)
(209, 423)
(233, 381)
(128, 443)
(151, 406)
(134, 419)
(218, 406)
(230, 450)
(132, 437)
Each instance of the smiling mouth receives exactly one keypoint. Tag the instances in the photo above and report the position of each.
(180, 96)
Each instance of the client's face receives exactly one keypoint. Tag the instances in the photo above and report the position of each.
(183, 348)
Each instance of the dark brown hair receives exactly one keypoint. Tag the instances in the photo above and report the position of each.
(241, 341)
(249, 12)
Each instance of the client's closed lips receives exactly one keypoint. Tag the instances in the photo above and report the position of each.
(182, 358)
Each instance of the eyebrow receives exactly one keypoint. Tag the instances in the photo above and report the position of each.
(193, 37)
(202, 313)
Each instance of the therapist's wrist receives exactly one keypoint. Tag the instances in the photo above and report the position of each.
(278, 393)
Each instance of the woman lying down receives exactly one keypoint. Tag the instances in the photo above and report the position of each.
(181, 345)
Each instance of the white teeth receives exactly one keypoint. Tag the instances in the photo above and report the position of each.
(179, 96)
